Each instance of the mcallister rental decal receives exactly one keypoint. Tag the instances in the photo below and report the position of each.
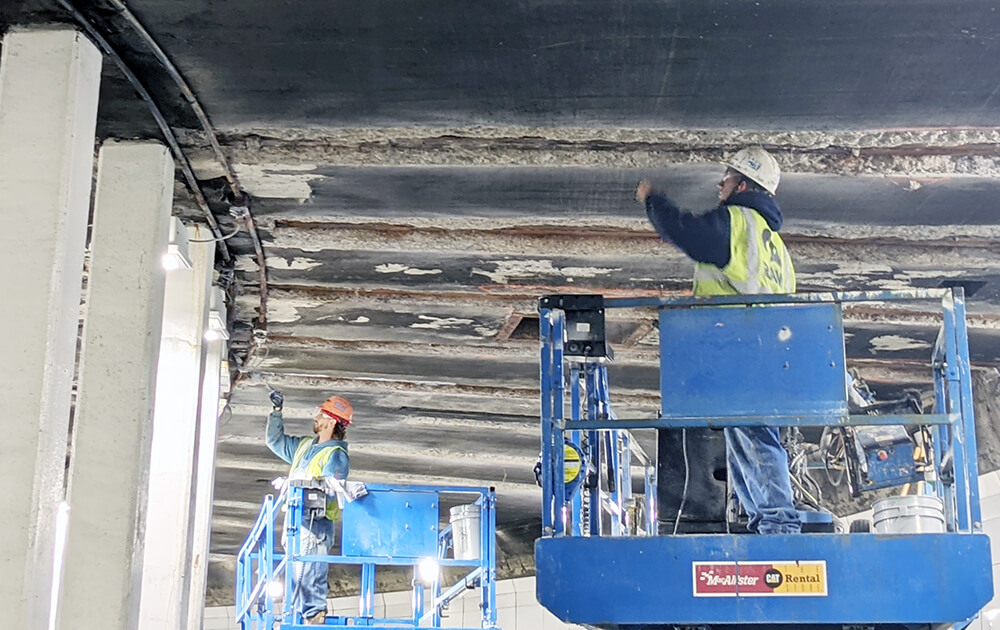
(760, 579)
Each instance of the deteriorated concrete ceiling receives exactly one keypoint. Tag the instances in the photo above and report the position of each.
(422, 171)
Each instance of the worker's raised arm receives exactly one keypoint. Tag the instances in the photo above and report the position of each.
(703, 237)
(280, 444)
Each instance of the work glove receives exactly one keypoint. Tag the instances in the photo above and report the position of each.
(277, 399)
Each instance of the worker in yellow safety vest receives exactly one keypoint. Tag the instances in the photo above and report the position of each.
(737, 251)
(321, 457)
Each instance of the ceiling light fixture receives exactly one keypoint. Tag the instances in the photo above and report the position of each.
(217, 330)
(176, 256)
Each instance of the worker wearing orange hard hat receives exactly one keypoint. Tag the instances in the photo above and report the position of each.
(320, 457)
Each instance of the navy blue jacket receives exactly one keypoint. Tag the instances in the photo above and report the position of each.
(705, 237)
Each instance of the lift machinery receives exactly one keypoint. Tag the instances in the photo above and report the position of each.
(606, 559)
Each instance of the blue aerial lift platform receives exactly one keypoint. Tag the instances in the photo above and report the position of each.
(603, 559)
(397, 525)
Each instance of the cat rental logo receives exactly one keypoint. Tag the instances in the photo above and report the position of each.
(760, 579)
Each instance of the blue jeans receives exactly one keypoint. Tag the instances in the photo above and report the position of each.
(311, 579)
(758, 468)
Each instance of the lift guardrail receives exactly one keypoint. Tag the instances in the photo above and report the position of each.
(388, 526)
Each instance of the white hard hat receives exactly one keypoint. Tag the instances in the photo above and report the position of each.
(758, 165)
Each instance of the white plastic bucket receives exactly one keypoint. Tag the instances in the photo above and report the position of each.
(917, 514)
(465, 522)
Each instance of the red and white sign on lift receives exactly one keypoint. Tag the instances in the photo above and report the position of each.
(760, 579)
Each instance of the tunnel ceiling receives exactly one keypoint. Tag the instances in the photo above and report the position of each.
(422, 172)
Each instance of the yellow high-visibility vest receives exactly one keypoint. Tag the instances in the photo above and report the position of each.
(314, 470)
(758, 260)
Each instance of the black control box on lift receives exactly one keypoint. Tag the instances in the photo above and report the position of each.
(313, 497)
(584, 336)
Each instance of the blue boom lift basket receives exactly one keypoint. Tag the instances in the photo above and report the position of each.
(388, 526)
(735, 361)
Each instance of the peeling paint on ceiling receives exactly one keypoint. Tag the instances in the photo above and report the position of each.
(507, 269)
(298, 263)
(277, 181)
(896, 342)
(288, 311)
(439, 323)
(405, 269)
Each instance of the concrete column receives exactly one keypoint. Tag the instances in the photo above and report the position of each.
(113, 425)
(166, 575)
(49, 81)
(215, 351)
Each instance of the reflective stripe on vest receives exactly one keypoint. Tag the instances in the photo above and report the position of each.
(314, 470)
(758, 260)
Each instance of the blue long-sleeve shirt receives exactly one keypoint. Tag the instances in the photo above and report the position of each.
(705, 237)
(284, 446)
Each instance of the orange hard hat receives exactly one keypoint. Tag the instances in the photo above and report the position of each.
(339, 409)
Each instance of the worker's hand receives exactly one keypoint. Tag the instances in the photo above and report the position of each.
(277, 399)
(643, 190)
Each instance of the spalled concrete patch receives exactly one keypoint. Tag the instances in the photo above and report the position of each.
(911, 153)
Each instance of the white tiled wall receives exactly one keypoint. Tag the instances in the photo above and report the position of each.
(517, 608)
